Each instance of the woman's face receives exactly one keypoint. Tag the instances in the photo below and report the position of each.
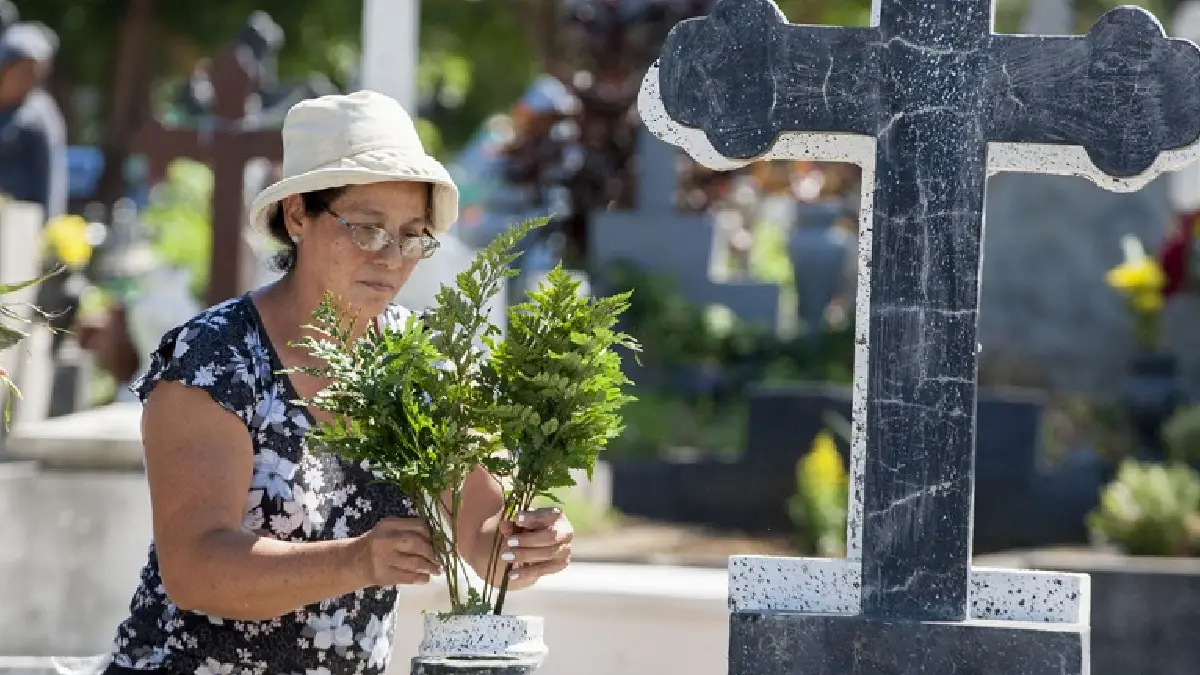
(329, 258)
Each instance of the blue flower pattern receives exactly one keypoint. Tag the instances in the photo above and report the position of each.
(295, 495)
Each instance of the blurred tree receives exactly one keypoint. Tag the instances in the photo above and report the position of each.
(123, 47)
(477, 55)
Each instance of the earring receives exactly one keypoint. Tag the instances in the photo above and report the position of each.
(295, 239)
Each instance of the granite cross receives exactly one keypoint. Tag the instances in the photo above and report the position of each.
(929, 101)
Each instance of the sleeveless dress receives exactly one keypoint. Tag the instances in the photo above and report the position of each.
(295, 495)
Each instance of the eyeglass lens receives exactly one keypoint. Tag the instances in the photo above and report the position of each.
(374, 239)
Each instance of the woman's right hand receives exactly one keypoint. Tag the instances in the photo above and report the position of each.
(397, 551)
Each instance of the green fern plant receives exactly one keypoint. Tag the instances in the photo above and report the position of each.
(558, 389)
(424, 404)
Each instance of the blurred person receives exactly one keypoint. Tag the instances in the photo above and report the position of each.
(266, 557)
(33, 151)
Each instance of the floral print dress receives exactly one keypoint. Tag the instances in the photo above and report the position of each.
(295, 495)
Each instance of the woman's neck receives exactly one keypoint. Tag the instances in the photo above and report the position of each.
(290, 307)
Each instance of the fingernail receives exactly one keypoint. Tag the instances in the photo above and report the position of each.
(508, 556)
(512, 543)
(514, 576)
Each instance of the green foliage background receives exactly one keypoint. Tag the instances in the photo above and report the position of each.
(476, 55)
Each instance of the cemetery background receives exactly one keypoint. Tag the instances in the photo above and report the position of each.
(707, 469)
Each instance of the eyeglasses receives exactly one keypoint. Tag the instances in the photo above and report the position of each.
(373, 238)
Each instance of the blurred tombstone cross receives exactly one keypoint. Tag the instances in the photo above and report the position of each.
(226, 140)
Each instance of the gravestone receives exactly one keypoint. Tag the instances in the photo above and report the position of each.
(818, 250)
(1181, 330)
(30, 363)
(928, 101)
(659, 239)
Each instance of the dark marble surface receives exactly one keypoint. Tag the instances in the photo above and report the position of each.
(785, 644)
(934, 86)
(1106, 91)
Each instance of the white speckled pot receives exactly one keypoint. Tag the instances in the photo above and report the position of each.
(484, 635)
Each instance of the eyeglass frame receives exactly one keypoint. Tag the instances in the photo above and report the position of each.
(429, 243)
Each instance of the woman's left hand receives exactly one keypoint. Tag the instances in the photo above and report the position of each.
(537, 544)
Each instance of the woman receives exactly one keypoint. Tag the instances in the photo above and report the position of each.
(268, 558)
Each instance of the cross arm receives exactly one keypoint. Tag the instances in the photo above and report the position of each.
(1125, 93)
(743, 75)
(1118, 106)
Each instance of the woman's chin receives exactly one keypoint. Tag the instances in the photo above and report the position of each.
(370, 299)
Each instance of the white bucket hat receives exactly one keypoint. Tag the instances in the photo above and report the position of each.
(354, 139)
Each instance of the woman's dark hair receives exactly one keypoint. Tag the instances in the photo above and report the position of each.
(315, 203)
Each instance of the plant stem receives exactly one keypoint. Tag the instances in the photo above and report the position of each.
(494, 553)
(525, 501)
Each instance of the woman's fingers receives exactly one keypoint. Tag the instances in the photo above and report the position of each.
(408, 536)
(538, 570)
(535, 556)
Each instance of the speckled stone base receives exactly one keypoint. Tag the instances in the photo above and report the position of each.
(422, 665)
(765, 643)
(484, 636)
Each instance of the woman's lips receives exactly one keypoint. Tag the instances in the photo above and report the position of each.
(379, 287)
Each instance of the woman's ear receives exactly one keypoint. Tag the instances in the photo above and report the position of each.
(294, 216)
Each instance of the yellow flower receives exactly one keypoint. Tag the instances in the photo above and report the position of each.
(823, 464)
(1137, 275)
(66, 236)
(1146, 301)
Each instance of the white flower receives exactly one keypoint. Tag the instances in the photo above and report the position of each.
(271, 409)
(376, 642)
(213, 667)
(272, 473)
(291, 518)
(311, 501)
(204, 376)
(181, 345)
(330, 631)
(338, 496)
(340, 529)
(253, 500)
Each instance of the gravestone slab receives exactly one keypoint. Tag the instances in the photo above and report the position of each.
(928, 101)
(818, 251)
(660, 240)
(29, 363)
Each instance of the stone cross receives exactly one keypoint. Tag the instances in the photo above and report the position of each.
(929, 101)
(227, 145)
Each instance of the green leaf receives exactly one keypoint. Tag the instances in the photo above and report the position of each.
(13, 393)
(9, 337)
(6, 289)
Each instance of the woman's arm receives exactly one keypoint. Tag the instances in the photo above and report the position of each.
(199, 464)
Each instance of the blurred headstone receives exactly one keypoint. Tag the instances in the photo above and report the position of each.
(659, 239)
(818, 250)
(29, 363)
